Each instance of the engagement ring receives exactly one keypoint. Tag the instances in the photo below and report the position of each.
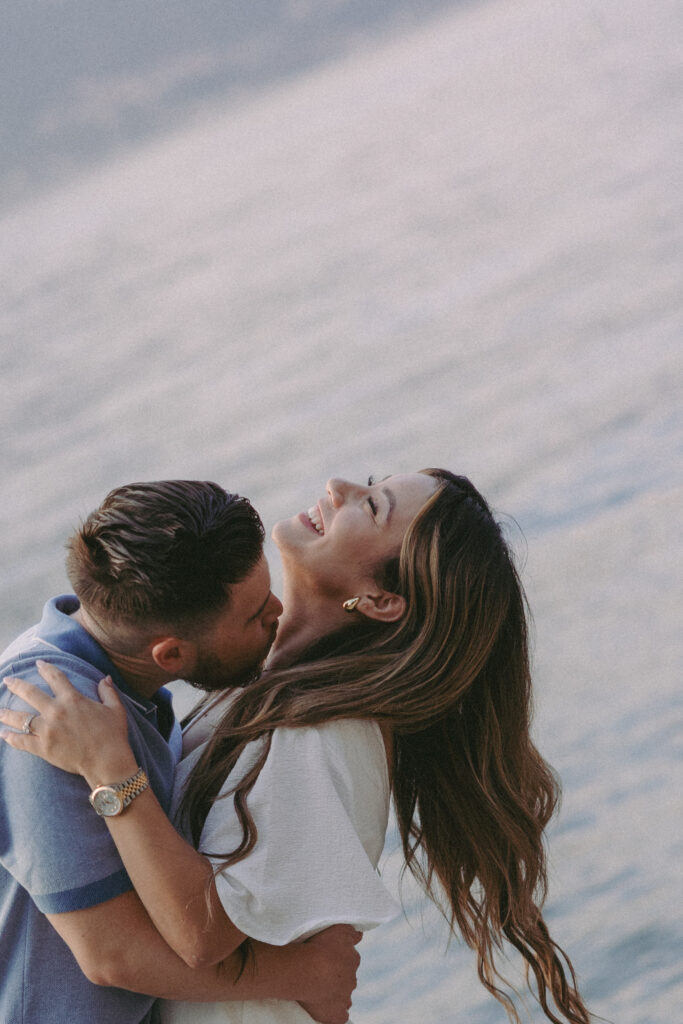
(27, 724)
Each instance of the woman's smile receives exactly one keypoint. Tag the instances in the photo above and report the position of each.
(315, 517)
(361, 525)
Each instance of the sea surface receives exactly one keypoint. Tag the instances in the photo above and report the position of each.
(458, 243)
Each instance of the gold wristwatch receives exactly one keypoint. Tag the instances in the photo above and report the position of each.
(109, 801)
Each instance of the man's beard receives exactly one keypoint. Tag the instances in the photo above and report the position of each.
(211, 675)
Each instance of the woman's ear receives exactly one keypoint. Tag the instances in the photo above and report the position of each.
(383, 607)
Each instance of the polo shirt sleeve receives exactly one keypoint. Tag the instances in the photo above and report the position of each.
(51, 840)
(320, 805)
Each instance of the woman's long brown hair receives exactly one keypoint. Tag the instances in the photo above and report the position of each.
(472, 793)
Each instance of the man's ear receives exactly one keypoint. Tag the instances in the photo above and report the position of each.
(172, 655)
(383, 606)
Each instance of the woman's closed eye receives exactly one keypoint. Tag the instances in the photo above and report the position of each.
(371, 501)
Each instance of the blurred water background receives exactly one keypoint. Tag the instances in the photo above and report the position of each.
(303, 239)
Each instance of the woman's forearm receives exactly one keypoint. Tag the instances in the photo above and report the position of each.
(173, 880)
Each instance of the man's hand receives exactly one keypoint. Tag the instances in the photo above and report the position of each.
(333, 973)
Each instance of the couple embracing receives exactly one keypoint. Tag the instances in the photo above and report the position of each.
(224, 874)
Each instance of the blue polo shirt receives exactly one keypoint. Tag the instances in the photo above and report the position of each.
(56, 854)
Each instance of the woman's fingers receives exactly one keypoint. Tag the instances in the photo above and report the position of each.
(18, 740)
(33, 695)
(71, 730)
(57, 680)
(19, 720)
(37, 739)
(109, 695)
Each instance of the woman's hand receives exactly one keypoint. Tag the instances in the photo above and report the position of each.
(69, 730)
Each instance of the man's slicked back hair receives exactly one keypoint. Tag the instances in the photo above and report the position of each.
(164, 552)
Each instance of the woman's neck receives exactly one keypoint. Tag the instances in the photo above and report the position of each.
(307, 616)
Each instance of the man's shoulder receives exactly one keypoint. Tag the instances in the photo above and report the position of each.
(56, 638)
(22, 646)
(20, 658)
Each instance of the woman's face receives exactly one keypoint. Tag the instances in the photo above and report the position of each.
(341, 540)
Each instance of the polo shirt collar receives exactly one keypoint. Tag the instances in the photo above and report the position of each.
(59, 628)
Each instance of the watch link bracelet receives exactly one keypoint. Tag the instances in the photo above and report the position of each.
(109, 801)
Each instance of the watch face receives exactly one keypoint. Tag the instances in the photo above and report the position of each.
(106, 801)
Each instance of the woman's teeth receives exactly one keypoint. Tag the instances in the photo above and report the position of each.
(314, 516)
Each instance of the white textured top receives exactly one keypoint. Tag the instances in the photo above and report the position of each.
(321, 805)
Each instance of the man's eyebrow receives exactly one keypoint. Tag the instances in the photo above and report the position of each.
(391, 498)
(260, 609)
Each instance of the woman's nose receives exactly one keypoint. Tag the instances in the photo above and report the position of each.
(337, 490)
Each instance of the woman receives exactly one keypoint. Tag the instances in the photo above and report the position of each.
(404, 628)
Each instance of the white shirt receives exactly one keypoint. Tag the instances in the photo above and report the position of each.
(320, 805)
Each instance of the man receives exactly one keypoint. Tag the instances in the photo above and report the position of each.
(170, 582)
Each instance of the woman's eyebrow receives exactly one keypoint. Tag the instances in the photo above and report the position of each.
(391, 498)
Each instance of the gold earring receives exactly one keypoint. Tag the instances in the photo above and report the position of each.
(350, 605)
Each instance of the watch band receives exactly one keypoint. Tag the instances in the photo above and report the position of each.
(132, 786)
(110, 800)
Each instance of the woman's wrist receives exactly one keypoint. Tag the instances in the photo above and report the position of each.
(110, 769)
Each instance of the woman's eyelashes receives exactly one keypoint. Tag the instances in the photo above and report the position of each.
(371, 501)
